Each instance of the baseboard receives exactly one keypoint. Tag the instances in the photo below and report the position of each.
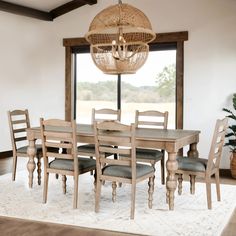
(6, 154)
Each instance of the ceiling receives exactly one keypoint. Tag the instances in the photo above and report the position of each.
(42, 9)
(43, 5)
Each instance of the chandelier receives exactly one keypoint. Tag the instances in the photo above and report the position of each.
(119, 37)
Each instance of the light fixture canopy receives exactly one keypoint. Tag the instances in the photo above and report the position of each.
(119, 37)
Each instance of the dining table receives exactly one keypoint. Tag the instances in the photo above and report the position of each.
(170, 140)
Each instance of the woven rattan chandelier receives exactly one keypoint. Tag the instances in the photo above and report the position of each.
(119, 37)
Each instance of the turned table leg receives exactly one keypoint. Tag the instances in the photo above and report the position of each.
(172, 166)
(31, 151)
(193, 152)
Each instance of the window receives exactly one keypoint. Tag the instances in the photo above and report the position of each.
(163, 41)
(94, 89)
(151, 88)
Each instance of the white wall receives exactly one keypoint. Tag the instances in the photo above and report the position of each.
(32, 60)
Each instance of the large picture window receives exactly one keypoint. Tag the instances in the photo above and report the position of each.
(155, 90)
(151, 88)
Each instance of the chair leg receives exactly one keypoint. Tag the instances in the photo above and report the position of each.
(133, 192)
(163, 169)
(217, 178)
(180, 185)
(56, 176)
(91, 172)
(45, 186)
(39, 170)
(114, 186)
(208, 190)
(95, 181)
(14, 168)
(76, 182)
(98, 194)
(150, 191)
(64, 183)
(192, 184)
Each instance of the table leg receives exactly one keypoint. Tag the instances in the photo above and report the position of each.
(167, 192)
(31, 151)
(171, 184)
(193, 152)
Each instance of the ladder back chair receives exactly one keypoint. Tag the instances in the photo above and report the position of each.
(60, 134)
(18, 123)
(98, 115)
(204, 168)
(152, 119)
(109, 139)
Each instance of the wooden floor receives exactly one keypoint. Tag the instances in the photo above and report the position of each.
(18, 227)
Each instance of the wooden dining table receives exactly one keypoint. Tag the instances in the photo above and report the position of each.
(170, 140)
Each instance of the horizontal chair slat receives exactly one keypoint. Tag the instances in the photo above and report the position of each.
(115, 162)
(115, 179)
(114, 139)
(20, 139)
(105, 111)
(151, 123)
(58, 145)
(58, 139)
(150, 113)
(58, 135)
(115, 143)
(17, 112)
(115, 150)
(59, 155)
(58, 171)
(19, 130)
(56, 122)
(14, 122)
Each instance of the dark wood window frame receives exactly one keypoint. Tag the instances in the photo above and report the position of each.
(162, 40)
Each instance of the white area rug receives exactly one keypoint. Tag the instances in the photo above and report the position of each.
(190, 216)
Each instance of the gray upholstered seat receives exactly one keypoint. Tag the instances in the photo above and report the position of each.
(89, 149)
(84, 163)
(125, 171)
(24, 149)
(192, 164)
(149, 154)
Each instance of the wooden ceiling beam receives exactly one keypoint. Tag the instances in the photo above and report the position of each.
(25, 11)
(67, 7)
(90, 2)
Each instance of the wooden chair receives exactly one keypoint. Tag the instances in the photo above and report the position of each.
(98, 115)
(204, 168)
(109, 139)
(19, 122)
(152, 119)
(62, 134)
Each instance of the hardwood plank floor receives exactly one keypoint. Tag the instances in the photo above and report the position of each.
(18, 227)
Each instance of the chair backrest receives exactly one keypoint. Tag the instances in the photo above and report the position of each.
(115, 138)
(105, 114)
(18, 123)
(59, 134)
(151, 119)
(217, 144)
